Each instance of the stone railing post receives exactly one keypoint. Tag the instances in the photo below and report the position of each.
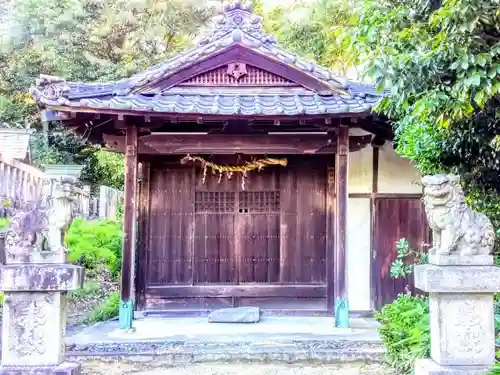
(461, 280)
(36, 280)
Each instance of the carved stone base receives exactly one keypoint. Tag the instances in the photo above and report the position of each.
(63, 369)
(462, 260)
(33, 329)
(461, 313)
(429, 367)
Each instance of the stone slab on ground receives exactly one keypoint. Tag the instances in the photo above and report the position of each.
(245, 314)
(158, 368)
(62, 369)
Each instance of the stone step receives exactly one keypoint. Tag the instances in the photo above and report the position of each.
(179, 352)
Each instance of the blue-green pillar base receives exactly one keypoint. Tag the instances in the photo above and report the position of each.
(341, 313)
(126, 314)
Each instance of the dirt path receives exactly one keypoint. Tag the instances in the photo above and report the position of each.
(100, 368)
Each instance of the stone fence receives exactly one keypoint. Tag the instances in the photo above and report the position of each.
(20, 183)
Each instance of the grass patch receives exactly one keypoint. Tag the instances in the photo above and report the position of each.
(90, 288)
(106, 310)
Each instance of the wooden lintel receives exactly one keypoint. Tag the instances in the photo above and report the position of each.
(385, 195)
(178, 144)
(236, 291)
(341, 196)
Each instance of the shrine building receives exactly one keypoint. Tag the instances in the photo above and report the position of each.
(253, 177)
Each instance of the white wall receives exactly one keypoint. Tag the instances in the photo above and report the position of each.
(358, 253)
(396, 175)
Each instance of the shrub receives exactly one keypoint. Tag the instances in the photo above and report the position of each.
(108, 309)
(405, 331)
(4, 222)
(95, 243)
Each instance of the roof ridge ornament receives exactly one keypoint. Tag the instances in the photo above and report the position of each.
(238, 4)
(237, 18)
(51, 90)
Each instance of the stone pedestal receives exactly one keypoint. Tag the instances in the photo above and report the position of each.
(34, 317)
(461, 318)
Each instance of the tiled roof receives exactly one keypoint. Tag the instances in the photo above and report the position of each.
(14, 142)
(233, 104)
(237, 27)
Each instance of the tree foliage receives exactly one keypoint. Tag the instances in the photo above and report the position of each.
(440, 61)
(312, 30)
(85, 40)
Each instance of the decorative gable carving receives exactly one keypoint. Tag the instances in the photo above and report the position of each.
(238, 74)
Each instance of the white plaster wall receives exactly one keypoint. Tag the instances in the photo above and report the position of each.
(360, 171)
(395, 174)
(358, 253)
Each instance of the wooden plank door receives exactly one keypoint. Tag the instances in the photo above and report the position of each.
(214, 239)
(257, 228)
(170, 250)
(395, 218)
(303, 223)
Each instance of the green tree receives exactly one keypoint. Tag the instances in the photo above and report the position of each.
(440, 63)
(312, 30)
(85, 40)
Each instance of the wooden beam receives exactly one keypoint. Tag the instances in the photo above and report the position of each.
(386, 195)
(186, 143)
(237, 291)
(340, 256)
(129, 230)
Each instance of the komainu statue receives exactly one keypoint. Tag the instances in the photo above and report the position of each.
(60, 215)
(36, 232)
(456, 229)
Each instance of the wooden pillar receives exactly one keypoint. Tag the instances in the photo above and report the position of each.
(143, 209)
(129, 230)
(374, 268)
(340, 253)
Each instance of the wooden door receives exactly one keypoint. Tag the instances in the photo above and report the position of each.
(257, 230)
(271, 230)
(214, 239)
(213, 243)
(170, 248)
(395, 218)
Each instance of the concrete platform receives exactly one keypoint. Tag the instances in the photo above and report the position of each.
(192, 340)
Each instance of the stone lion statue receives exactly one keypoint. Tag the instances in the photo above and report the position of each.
(40, 227)
(456, 229)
